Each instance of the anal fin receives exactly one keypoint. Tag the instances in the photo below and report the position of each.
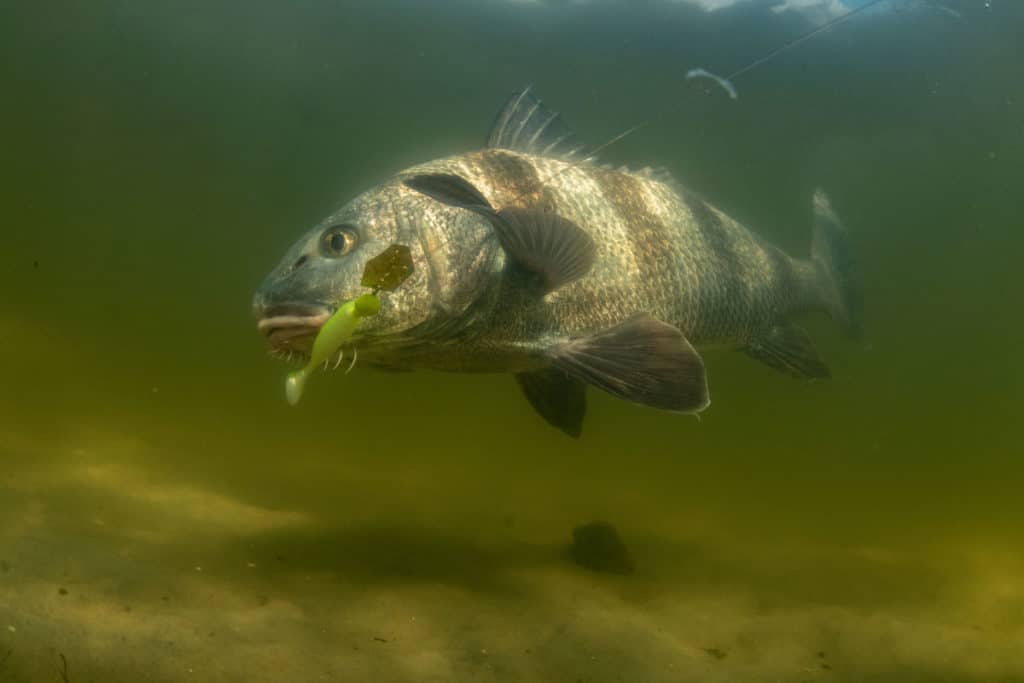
(787, 348)
(642, 360)
(558, 398)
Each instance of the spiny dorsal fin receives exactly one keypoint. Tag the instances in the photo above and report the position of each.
(525, 124)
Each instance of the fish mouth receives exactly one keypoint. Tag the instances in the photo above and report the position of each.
(290, 328)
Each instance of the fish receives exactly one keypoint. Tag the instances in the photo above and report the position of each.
(530, 257)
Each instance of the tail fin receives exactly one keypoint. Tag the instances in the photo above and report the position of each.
(837, 276)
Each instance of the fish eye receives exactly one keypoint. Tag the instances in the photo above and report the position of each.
(339, 241)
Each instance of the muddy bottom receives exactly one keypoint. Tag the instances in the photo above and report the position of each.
(119, 565)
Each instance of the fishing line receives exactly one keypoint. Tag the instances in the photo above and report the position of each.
(726, 82)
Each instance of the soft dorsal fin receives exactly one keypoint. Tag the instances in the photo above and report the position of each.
(658, 173)
(525, 124)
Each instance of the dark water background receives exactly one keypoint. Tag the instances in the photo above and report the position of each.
(159, 158)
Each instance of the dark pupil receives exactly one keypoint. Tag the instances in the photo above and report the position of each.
(337, 242)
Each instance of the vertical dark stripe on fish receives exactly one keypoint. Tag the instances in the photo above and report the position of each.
(647, 233)
(709, 224)
(515, 178)
(728, 275)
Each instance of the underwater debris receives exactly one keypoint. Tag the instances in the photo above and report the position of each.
(599, 547)
(64, 670)
(726, 85)
(716, 653)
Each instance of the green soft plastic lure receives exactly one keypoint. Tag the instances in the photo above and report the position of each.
(336, 331)
(386, 271)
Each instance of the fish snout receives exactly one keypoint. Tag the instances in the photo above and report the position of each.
(290, 326)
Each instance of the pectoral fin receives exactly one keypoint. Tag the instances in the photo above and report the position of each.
(552, 249)
(450, 189)
(787, 348)
(642, 360)
(559, 399)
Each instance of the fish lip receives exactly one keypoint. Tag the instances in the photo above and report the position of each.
(291, 326)
(291, 309)
(278, 323)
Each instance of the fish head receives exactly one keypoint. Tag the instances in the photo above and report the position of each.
(453, 256)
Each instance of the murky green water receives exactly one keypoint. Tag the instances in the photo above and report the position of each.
(165, 516)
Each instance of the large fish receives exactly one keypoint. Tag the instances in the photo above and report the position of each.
(530, 258)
